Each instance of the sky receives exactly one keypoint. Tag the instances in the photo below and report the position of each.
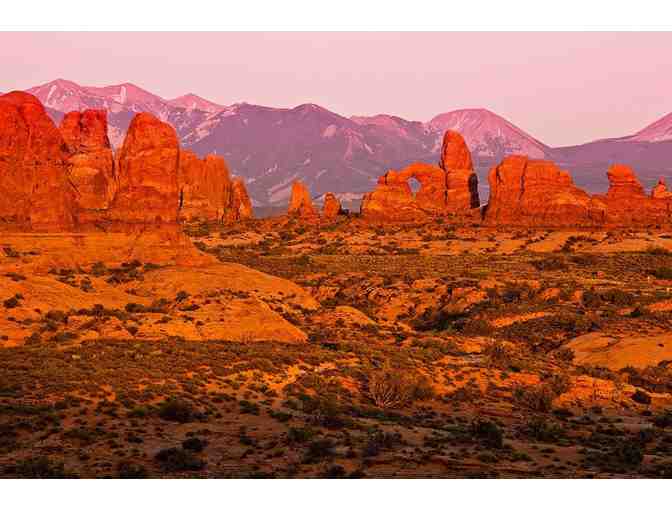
(564, 88)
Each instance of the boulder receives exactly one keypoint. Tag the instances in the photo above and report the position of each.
(148, 165)
(300, 203)
(34, 189)
(90, 162)
(332, 206)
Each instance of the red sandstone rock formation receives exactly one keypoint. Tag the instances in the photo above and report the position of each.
(332, 207)
(148, 173)
(240, 205)
(461, 180)
(660, 191)
(300, 203)
(34, 189)
(90, 164)
(536, 192)
(449, 189)
(626, 202)
(205, 187)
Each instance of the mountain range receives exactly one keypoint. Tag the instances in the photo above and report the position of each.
(271, 147)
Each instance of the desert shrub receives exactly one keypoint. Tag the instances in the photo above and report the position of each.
(391, 389)
(535, 398)
(379, 441)
(662, 273)
(38, 467)
(564, 354)
(178, 459)
(12, 302)
(542, 430)
(194, 444)
(177, 410)
(498, 355)
(247, 407)
(663, 420)
(628, 453)
(488, 432)
(319, 450)
(558, 384)
(11, 252)
(299, 435)
(15, 276)
(562, 325)
(641, 397)
(550, 264)
(438, 320)
(656, 379)
(474, 327)
(130, 471)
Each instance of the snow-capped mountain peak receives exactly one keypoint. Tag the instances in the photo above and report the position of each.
(193, 102)
(488, 134)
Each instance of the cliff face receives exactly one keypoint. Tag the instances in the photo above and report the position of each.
(34, 189)
(91, 166)
(60, 179)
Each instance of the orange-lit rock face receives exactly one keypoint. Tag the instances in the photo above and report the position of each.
(90, 163)
(34, 190)
(461, 180)
(332, 206)
(449, 189)
(148, 173)
(660, 190)
(627, 204)
(535, 192)
(300, 203)
(240, 205)
(205, 187)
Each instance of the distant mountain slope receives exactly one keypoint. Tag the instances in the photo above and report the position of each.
(272, 147)
(658, 131)
(194, 102)
(488, 135)
(122, 102)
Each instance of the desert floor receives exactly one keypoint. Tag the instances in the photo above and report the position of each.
(274, 348)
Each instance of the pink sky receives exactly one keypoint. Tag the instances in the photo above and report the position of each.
(563, 87)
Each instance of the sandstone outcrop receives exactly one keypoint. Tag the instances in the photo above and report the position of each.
(300, 203)
(537, 193)
(448, 189)
(240, 205)
(206, 190)
(148, 173)
(660, 190)
(90, 163)
(34, 189)
(461, 180)
(626, 203)
(331, 207)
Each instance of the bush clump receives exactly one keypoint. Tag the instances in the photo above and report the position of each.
(391, 389)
